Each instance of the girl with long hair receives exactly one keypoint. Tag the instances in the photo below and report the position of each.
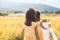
(28, 31)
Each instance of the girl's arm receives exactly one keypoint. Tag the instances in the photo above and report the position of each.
(42, 26)
(36, 33)
(22, 33)
(53, 34)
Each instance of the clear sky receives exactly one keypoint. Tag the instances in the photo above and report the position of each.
(54, 3)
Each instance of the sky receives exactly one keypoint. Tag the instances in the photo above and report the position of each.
(54, 3)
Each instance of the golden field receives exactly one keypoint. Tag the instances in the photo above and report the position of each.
(10, 26)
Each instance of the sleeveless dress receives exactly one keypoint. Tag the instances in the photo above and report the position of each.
(29, 32)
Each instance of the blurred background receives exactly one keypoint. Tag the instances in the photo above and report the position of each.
(12, 16)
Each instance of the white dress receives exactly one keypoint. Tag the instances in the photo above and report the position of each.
(46, 33)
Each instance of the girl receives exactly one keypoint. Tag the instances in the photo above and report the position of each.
(47, 31)
(44, 29)
(39, 27)
(28, 31)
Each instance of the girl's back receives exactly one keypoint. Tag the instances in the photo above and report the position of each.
(29, 32)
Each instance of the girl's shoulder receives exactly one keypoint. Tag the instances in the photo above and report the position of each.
(39, 23)
(25, 26)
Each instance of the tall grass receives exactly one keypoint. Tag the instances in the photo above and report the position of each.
(10, 27)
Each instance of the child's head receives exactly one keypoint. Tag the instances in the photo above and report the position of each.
(37, 16)
(30, 16)
(45, 20)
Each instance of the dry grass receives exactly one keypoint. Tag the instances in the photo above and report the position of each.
(10, 27)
